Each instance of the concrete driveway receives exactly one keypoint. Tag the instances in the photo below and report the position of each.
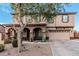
(65, 48)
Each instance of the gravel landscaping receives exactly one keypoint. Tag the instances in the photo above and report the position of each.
(31, 49)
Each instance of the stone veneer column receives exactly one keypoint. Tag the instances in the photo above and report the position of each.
(31, 35)
(44, 35)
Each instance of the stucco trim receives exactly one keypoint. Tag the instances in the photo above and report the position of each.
(60, 27)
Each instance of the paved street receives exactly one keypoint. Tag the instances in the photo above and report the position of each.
(65, 48)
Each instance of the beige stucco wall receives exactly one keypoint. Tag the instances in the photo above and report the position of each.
(72, 33)
(15, 21)
(58, 21)
(1, 41)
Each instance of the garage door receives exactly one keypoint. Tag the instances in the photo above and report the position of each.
(59, 36)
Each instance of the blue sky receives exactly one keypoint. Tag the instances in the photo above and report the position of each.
(74, 8)
(6, 18)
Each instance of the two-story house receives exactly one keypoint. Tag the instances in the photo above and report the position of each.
(61, 28)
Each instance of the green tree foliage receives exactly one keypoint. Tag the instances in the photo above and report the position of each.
(47, 10)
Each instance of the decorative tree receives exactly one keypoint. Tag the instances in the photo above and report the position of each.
(47, 11)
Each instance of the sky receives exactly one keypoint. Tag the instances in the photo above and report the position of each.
(5, 13)
(74, 8)
(6, 18)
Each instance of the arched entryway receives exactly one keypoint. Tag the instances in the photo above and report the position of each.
(26, 34)
(12, 33)
(37, 34)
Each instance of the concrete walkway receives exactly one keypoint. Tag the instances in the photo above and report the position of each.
(65, 48)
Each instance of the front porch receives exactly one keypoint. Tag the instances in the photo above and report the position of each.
(34, 35)
(32, 32)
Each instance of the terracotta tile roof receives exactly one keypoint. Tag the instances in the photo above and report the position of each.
(62, 13)
(10, 25)
(68, 13)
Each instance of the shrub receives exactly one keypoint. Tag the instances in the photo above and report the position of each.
(7, 41)
(43, 40)
(47, 38)
(1, 47)
(14, 43)
(38, 38)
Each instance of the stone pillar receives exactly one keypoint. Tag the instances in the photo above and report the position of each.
(44, 36)
(31, 36)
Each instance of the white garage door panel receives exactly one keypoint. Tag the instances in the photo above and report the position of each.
(59, 35)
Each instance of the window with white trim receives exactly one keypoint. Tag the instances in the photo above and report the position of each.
(65, 18)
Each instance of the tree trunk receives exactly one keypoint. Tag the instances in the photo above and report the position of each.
(19, 40)
(19, 37)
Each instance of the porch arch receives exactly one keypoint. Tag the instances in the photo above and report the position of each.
(37, 34)
(12, 33)
(26, 34)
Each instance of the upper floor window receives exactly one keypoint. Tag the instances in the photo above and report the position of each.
(65, 18)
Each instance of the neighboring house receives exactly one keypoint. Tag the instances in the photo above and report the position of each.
(76, 35)
(61, 28)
